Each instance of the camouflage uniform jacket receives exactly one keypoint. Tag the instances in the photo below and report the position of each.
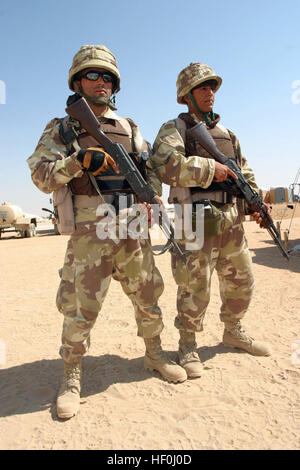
(51, 165)
(174, 168)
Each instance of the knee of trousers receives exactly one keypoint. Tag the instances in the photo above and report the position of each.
(145, 293)
(76, 304)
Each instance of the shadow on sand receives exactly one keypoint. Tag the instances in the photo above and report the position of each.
(32, 387)
(271, 256)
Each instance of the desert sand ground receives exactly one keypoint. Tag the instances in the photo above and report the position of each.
(241, 402)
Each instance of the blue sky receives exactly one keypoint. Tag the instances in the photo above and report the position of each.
(254, 46)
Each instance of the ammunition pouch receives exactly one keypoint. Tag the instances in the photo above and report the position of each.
(109, 185)
(212, 218)
(110, 182)
(63, 206)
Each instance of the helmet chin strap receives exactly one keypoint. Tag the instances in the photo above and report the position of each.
(208, 117)
(110, 102)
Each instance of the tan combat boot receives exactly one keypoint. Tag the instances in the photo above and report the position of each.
(188, 356)
(156, 359)
(235, 337)
(68, 399)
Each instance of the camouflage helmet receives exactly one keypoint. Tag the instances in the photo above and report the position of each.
(193, 75)
(94, 56)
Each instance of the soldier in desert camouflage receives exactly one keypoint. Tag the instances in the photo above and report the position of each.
(90, 263)
(181, 162)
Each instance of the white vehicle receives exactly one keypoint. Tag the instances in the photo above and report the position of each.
(13, 218)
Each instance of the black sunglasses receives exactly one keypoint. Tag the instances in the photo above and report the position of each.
(95, 74)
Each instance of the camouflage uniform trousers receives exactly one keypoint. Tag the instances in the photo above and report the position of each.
(227, 253)
(89, 265)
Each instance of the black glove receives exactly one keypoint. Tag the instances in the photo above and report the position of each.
(96, 160)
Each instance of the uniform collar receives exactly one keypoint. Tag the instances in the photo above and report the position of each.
(109, 114)
(212, 124)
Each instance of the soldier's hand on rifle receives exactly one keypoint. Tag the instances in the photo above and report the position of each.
(258, 218)
(149, 208)
(96, 160)
(222, 172)
(149, 211)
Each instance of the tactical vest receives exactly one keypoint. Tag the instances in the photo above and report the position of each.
(221, 136)
(121, 132)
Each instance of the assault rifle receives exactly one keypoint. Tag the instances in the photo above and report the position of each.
(239, 187)
(78, 109)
